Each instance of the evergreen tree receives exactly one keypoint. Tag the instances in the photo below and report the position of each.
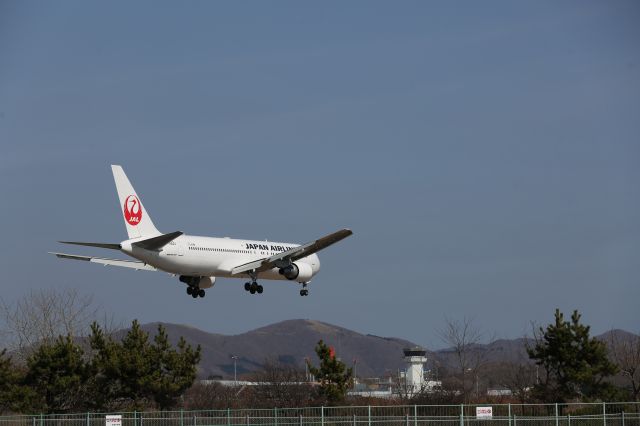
(332, 374)
(13, 396)
(173, 371)
(134, 372)
(57, 373)
(574, 364)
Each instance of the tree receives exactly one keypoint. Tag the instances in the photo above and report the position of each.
(520, 378)
(134, 372)
(57, 373)
(281, 385)
(333, 375)
(464, 338)
(13, 395)
(173, 371)
(208, 396)
(575, 365)
(624, 350)
(41, 316)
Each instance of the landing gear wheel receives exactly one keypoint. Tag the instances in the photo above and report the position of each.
(252, 290)
(260, 289)
(201, 293)
(247, 286)
(189, 289)
(194, 294)
(304, 291)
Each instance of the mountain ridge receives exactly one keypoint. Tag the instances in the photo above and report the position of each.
(292, 341)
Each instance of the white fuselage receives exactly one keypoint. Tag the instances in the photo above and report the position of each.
(192, 255)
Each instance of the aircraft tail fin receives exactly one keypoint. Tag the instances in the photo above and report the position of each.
(136, 218)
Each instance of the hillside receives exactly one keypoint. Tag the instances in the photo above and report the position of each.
(289, 342)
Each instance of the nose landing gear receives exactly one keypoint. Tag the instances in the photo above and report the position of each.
(304, 291)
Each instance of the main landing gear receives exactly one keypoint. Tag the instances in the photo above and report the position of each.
(253, 287)
(193, 286)
(195, 292)
(304, 291)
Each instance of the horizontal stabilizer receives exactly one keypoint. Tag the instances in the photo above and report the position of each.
(132, 264)
(101, 245)
(158, 242)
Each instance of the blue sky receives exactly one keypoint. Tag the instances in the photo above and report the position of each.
(485, 154)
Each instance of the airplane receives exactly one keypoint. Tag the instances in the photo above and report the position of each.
(198, 261)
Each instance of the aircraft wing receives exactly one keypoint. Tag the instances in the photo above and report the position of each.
(293, 254)
(133, 264)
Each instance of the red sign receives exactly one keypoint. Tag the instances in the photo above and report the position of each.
(132, 210)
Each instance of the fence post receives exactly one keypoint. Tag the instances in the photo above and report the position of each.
(34, 421)
(247, 420)
(194, 420)
(604, 414)
(557, 420)
(228, 416)
(461, 414)
(509, 413)
(622, 418)
(322, 415)
(415, 415)
(88, 422)
(354, 420)
(406, 422)
(369, 414)
(275, 415)
(300, 419)
(568, 419)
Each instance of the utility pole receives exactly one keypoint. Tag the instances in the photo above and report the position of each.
(355, 376)
(235, 370)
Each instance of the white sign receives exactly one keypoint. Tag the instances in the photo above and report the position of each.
(113, 420)
(484, 412)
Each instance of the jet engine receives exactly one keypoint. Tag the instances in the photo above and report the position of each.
(207, 282)
(301, 272)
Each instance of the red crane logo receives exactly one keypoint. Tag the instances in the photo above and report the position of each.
(132, 210)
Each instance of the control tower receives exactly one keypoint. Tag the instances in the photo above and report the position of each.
(415, 358)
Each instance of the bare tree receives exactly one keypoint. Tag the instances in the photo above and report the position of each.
(282, 385)
(463, 338)
(43, 315)
(624, 350)
(520, 378)
(207, 396)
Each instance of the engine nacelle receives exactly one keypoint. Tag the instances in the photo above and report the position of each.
(207, 282)
(301, 272)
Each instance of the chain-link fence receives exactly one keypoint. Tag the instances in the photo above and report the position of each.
(596, 414)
